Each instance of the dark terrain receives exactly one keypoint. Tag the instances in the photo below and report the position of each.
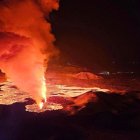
(112, 117)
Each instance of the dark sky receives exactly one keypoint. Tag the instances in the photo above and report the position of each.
(96, 32)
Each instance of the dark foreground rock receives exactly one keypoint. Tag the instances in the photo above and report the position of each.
(111, 117)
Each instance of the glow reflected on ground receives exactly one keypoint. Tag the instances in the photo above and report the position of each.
(9, 94)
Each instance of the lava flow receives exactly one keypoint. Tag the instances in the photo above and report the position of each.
(60, 94)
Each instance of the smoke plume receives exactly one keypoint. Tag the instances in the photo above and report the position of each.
(26, 42)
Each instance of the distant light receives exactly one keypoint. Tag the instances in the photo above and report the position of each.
(105, 73)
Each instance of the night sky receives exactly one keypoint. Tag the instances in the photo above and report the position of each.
(98, 34)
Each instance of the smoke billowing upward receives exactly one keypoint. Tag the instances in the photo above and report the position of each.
(26, 42)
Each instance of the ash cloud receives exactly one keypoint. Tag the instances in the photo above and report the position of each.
(26, 42)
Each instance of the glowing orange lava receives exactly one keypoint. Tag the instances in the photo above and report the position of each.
(44, 89)
(43, 93)
(41, 104)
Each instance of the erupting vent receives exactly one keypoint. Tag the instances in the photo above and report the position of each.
(26, 44)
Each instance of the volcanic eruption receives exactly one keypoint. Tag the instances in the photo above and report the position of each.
(26, 44)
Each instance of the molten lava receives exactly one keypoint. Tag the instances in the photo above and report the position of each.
(43, 94)
(41, 105)
(44, 89)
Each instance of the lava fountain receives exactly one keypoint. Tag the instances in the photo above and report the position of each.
(26, 44)
(43, 92)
